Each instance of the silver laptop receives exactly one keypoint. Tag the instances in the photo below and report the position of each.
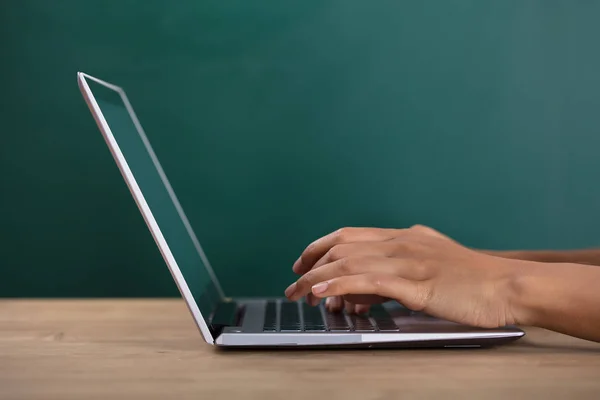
(250, 323)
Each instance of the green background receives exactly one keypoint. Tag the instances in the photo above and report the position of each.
(279, 121)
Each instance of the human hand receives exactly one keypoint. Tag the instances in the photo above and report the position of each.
(317, 254)
(418, 267)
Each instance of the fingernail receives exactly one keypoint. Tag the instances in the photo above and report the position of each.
(290, 290)
(320, 287)
(297, 265)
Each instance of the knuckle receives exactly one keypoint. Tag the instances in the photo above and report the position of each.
(309, 249)
(307, 280)
(337, 286)
(307, 254)
(418, 227)
(346, 266)
(337, 252)
(340, 234)
(423, 229)
(343, 234)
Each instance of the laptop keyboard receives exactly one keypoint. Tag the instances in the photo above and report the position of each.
(288, 316)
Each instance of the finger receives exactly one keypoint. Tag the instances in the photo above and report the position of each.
(358, 309)
(334, 304)
(359, 242)
(402, 290)
(312, 300)
(407, 269)
(357, 249)
(351, 250)
(365, 299)
(362, 308)
(350, 307)
(318, 248)
(345, 266)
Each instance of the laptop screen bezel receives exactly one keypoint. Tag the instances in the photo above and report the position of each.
(140, 200)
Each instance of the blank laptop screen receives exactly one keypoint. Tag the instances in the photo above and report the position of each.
(157, 196)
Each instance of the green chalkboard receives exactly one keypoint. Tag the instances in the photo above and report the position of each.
(279, 121)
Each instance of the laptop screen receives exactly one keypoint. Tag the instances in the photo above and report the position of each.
(166, 210)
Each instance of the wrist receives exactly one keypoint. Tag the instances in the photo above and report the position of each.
(561, 297)
(522, 284)
(529, 292)
(537, 291)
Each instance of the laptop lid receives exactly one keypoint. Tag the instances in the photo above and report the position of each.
(154, 197)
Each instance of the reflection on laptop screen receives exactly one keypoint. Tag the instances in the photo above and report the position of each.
(157, 196)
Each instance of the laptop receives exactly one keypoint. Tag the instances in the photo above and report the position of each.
(233, 323)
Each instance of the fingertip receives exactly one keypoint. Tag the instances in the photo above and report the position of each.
(297, 267)
(349, 307)
(338, 304)
(311, 300)
(289, 292)
(333, 304)
(362, 309)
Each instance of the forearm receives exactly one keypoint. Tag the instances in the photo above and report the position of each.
(588, 256)
(560, 297)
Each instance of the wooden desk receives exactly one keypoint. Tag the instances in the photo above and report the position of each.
(146, 349)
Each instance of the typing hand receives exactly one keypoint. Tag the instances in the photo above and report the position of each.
(322, 251)
(418, 267)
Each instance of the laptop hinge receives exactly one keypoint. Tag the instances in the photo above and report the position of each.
(227, 313)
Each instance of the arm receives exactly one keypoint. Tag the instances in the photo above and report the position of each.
(583, 256)
(587, 256)
(559, 297)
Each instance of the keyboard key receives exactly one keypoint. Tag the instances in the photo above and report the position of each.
(382, 319)
(270, 324)
(313, 319)
(387, 327)
(336, 322)
(290, 318)
(361, 324)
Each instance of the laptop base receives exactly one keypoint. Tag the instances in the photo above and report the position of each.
(386, 326)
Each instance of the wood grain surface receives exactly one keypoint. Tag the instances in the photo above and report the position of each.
(150, 349)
